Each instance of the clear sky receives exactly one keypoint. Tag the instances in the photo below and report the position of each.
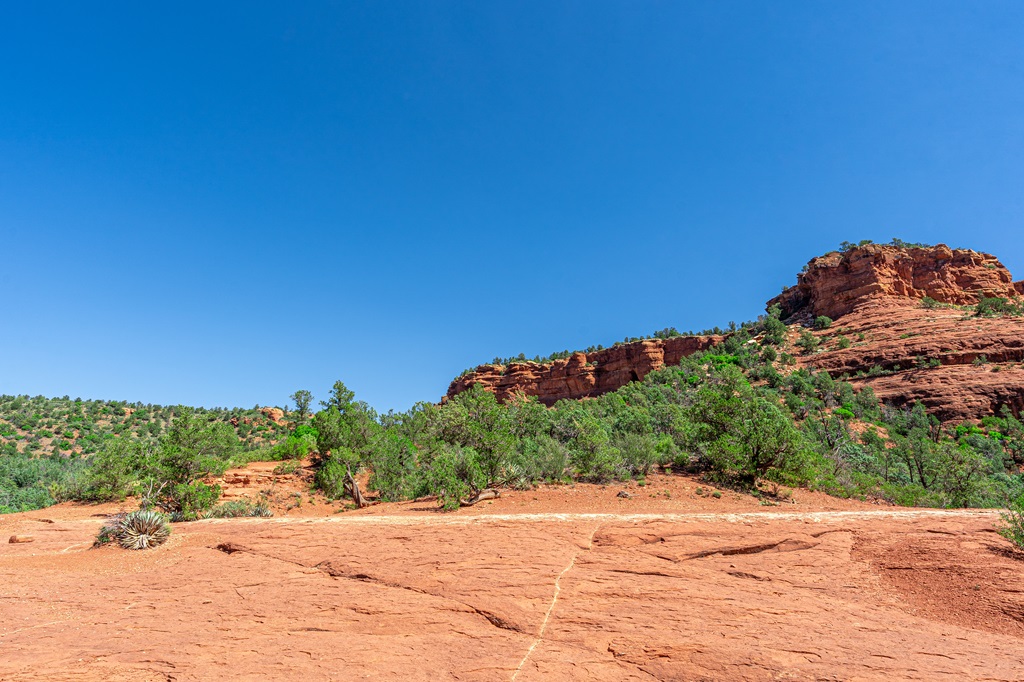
(220, 203)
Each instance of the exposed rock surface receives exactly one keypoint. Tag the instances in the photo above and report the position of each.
(274, 414)
(838, 283)
(924, 595)
(583, 375)
(960, 366)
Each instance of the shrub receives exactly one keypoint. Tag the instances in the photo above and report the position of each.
(239, 508)
(330, 478)
(995, 306)
(137, 530)
(761, 440)
(638, 453)
(822, 322)
(394, 469)
(1013, 522)
(455, 475)
(188, 501)
(843, 342)
(114, 471)
(296, 446)
(808, 342)
(774, 329)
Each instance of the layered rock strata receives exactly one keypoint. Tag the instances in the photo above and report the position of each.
(584, 375)
(836, 284)
(962, 367)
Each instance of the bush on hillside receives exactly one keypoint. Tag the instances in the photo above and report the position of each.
(1012, 527)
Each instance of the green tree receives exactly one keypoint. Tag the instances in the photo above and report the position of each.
(808, 342)
(762, 441)
(962, 472)
(774, 329)
(118, 470)
(341, 397)
(192, 449)
(302, 400)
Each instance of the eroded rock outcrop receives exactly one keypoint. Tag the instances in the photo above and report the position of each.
(836, 284)
(274, 414)
(961, 366)
(584, 375)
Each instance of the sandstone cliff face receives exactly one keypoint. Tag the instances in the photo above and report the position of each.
(583, 375)
(960, 366)
(836, 284)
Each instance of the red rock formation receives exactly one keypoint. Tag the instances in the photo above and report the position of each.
(836, 284)
(274, 414)
(960, 366)
(392, 593)
(583, 375)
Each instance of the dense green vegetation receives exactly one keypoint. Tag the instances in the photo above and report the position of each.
(998, 307)
(729, 415)
(48, 445)
(738, 414)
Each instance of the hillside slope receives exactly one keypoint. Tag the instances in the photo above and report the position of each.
(904, 321)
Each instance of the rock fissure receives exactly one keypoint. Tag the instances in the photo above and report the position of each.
(554, 602)
(494, 619)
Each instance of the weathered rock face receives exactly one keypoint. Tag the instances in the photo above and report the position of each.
(838, 283)
(274, 414)
(960, 366)
(584, 375)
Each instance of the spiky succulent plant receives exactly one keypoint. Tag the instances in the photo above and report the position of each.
(141, 530)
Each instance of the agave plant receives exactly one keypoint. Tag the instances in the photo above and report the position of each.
(142, 530)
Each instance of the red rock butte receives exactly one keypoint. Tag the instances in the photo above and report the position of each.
(837, 284)
(962, 367)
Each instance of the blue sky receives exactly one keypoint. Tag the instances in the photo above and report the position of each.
(219, 203)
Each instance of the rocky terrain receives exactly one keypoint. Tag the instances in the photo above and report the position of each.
(665, 576)
(837, 284)
(583, 375)
(961, 366)
(512, 591)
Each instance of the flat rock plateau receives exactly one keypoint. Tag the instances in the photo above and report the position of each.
(568, 583)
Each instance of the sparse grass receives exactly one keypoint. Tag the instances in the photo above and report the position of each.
(287, 467)
(238, 509)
